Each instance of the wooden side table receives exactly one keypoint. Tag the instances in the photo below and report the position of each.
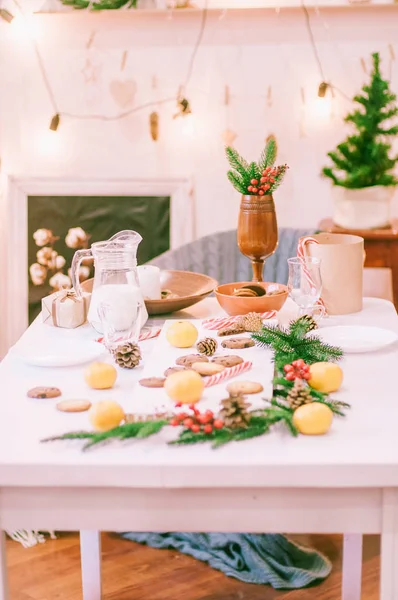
(381, 247)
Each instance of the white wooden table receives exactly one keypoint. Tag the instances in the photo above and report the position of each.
(346, 481)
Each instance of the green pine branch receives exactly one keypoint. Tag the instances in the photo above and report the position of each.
(268, 155)
(254, 171)
(100, 4)
(140, 429)
(236, 162)
(77, 4)
(274, 338)
(237, 181)
(312, 349)
(114, 4)
(335, 406)
(290, 343)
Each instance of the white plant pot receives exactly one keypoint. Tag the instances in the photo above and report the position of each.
(364, 208)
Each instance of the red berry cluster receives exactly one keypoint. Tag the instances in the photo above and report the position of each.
(269, 177)
(197, 422)
(297, 370)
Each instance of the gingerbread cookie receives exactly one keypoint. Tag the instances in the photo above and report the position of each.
(172, 370)
(189, 359)
(237, 343)
(229, 360)
(152, 382)
(232, 330)
(244, 387)
(73, 406)
(44, 392)
(207, 368)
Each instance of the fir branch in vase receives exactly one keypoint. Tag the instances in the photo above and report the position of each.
(261, 178)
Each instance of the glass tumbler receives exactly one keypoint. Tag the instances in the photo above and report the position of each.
(121, 326)
(305, 285)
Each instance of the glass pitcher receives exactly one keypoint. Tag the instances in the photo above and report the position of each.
(116, 283)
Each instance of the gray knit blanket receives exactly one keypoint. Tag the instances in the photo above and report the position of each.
(268, 559)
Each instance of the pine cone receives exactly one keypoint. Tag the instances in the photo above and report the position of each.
(207, 346)
(127, 355)
(299, 394)
(251, 322)
(234, 412)
(309, 321)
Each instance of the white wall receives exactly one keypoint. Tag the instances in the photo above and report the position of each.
(247, 51)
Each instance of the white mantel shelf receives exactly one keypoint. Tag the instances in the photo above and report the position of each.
(283, 21)
(221, 5)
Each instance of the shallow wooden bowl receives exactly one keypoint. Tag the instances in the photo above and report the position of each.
(190, 288)
(234, 305)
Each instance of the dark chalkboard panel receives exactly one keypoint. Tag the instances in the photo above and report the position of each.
(101, 217)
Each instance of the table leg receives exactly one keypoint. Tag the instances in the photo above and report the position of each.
(352, 567)
(3, 568)
(389, 546)
(90, 555)
(394, 275)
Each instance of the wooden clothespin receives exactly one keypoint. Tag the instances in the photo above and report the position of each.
(124, 60)
(269, 96)
(227, 96)
(90, 40)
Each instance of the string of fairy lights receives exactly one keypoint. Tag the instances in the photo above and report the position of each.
(183, 104)
(326, 86)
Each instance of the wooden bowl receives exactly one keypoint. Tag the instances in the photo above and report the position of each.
(235, 305)
(189, 287)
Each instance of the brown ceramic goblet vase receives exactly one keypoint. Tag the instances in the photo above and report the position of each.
(257, 231)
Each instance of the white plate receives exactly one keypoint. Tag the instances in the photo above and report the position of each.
(66, 354)
(356, 339)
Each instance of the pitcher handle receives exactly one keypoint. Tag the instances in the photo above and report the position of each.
(76, 262)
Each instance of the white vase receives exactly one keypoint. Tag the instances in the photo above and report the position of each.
(363, 208)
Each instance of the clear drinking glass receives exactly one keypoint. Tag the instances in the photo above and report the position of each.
(305, 285)
(121, 324)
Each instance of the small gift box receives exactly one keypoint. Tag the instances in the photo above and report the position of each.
(65, 309)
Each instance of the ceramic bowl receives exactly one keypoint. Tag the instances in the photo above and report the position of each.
(189, 288)
(234, 305)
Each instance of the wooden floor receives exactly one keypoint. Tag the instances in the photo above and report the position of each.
(51, 571)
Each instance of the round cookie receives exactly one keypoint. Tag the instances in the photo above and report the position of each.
(73, 406)
(152, 382)
(172, 370)
(44, 392)
(207, 368)
(244, 387)
(189, 359)
(237, 343)
(228, 360)
(232, 330)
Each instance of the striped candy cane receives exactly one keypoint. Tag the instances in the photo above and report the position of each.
(228, 373)
(221, 322)
(144, 335)
(303, 242)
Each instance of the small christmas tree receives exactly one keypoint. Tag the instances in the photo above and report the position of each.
(363, 159)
